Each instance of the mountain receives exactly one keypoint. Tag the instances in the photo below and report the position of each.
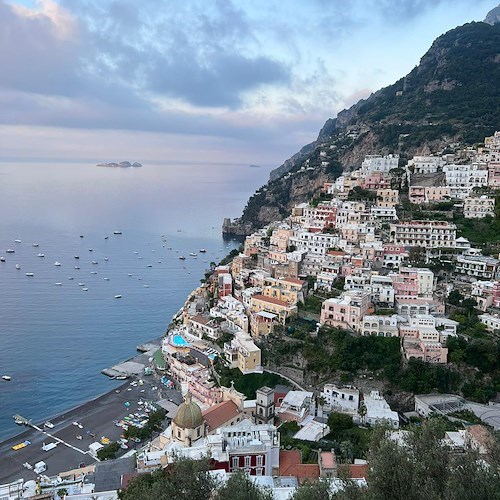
(450, 97)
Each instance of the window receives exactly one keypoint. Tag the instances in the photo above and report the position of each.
(247, 461)
(259, 460)
(235, 462)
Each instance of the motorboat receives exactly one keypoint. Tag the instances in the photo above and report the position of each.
(7, 378)
(41, 255)
(106, 237)
(9, 250)
(58, 284)
(117, 232)
(57, 264)
(77, 257)
(192, 254)
(30, 274)
(81, 284)
(2, 259)
(118, 296)
(202, 250)
(106, 259)
(18, 266)
(95, 262)
(77, 267)
(149, 265)
(17, 241)
(71, 278)
(106, 279)
(182, 257)
(85, 289)
(136, 253)
(93, 272)
(145, 286)
(91, 249)
(34, 245)
(129, 274)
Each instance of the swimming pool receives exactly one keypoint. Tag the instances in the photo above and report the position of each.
(179, 341)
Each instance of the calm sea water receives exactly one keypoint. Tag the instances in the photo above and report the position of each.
(55, 339)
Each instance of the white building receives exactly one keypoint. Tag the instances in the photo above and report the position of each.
(491, 321)
(424, 233)
(477, 207)
(478, 266)
(378, 411)
(380, 326)
(426, 164)
(341, 399)
(378, 163)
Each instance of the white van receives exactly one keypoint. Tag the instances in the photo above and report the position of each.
(40, 467)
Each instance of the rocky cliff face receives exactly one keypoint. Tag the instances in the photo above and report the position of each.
(451, 96)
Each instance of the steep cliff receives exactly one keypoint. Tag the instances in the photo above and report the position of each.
(451, 96)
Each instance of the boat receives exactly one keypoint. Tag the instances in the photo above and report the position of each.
(145, 286)
(58, 284)
(57, 264)
(9, 250)
(2, 259)
(77, 257)
(85, 289)
(192, 254)
(106, 237)
(17, 241)
(136, 253)
(94, 262)
(149, 265)
(106, 259)
(93, 272)
(106, 279)
(118, 296)
(71, 278)
(76, 267)
(30, 274)
(182, 257)
(121, 377)
(91, 249)
(18, 266)
(81, 236)
(41, 255)
(34, 245)
(81, 284)
(202, 250)
(48, 424)
(117, 232)
(6, 377)
(129, 274)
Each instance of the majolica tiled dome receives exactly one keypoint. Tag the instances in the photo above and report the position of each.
(188, 415)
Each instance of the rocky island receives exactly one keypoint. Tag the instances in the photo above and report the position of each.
(122, 164)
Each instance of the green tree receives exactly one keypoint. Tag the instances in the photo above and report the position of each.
(240, 487)
(317, 490)
(339, 422)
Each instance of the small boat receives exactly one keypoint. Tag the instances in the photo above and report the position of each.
(76, 267)
(106, 237)
(17, 241)
(118, 296)
(136, 253)
(2, 259)
(57, 264)
(71, 278)
(145, 286)
(18, 266)
(192, 254)
(6, 378)
(129, 274)
(149, 265)
(81, 236)
(9, 250)
(85, 289)
(34, 245)
(58, 284)
(106, 279)
(94, 262)
(106, 259)
(117, 232)
(48, 424)
(41, 255)
(182, 257)
(93, 272)
(91, 249)
(202, 250)
(81, 284)
(30, 274)
(140, 258)
(77, 257)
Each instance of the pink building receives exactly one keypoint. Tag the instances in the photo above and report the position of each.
(494, 174)
(347, 310)
(376, 180)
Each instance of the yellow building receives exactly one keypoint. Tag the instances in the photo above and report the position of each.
(275, 306)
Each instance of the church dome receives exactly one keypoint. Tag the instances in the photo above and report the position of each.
(188, 415)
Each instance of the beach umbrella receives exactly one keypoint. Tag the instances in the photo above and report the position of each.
(127, 404)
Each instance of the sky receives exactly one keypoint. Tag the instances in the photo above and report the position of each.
(246, 82)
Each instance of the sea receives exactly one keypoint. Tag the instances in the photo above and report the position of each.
(60, 327)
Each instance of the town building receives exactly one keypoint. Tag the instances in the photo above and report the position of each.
(423, 233)
(477, 207)
(346, 311)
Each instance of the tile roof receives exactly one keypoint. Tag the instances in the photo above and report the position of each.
(219, 414)
(263, 298)
(291, 465)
